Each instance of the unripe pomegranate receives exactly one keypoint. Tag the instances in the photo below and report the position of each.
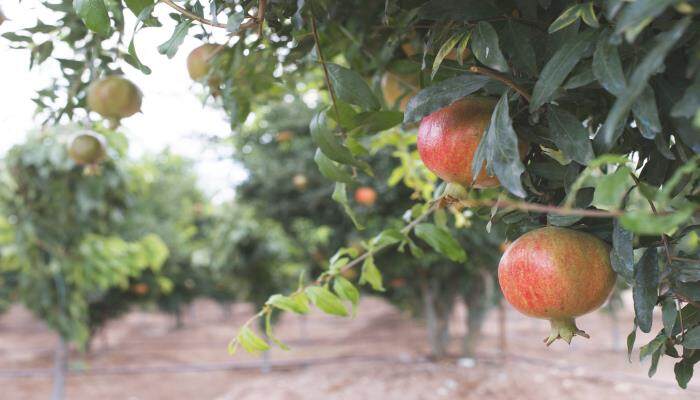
(2, 17)
(114, 97)
(87, 149)
(557, 274)
(365, 195)
(395, 87)
(200, 60)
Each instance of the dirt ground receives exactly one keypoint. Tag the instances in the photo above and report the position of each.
(381, 354)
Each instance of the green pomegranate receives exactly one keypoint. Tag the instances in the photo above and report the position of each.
(114, 97)
(87, 149)
(199, 61)
(2, 17)
(556, 274)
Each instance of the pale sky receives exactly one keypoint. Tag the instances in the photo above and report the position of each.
(173, 113)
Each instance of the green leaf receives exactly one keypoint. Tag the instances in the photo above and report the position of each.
(442, 95)
(651, 347)
(582, 77)
(327, 141)
(133, 59)
(645, 290)
(349, 86)
(692, 339)
(631, 338)
(568, 17)
(638, 14)
(558, 67)
(387, 237)
(610, 189)
(689, 105)
(499, 147)
(516, 42)
(641, 222)
(607, 66)
(270, 334)
(462, 10)
(340, 195)
(251, 342)
(291, 304)
(326, 301)
(330, 169)
(444, 51)
(371, 275)
(663, 43)
(655, 357)
(137, 6)
(588, 15)
(346, 291)
(684, 372)
(441, 240)
(647, 113)
(622, 253)
(669, 313)
(170, 47)
(94, 15)
(569, 135)
(485, 46)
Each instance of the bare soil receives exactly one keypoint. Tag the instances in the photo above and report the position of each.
(380, 354)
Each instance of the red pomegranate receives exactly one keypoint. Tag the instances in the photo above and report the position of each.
(365, 195)
(448, 138)
(556, 274)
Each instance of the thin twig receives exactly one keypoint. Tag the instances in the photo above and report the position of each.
(664, 239)
(406, 230)
(542, 208)
(683, 259)
(502, 78)
(326, 75)
(246, 25)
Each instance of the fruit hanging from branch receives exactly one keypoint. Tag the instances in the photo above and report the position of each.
(366, 196)
(114, 97)
(399, 88)
(557, 274)
(87, 149)
(449, 137)
(199, 63)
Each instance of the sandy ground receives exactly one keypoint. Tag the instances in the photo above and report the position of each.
(381, 354)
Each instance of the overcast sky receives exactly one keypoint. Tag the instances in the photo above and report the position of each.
(173, 114)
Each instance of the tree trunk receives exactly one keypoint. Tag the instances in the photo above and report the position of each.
(60, 367)
(437, 321)
(477, 305)
(502, 333)
(179, 322)
(615, 329)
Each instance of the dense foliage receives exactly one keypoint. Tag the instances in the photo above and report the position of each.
(605, 93)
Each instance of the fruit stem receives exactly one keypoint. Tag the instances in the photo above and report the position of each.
(564, 328)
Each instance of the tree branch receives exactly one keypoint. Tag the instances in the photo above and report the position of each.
(246, 25)
(542, 208)
(502, 78)
(326, 75)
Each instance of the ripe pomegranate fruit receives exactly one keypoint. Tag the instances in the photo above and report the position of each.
(365, 195)
(448, 138)
(399, 88)
(87, 149)
(140, 289)
(114, 97)
(284, 136)
(300, 181)
(556, 274)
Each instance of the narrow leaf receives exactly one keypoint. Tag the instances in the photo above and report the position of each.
(326, 301)
(645, 290)
(442, 95)
(349, 86)
(441, 241)
(485, 46)
(569, 135)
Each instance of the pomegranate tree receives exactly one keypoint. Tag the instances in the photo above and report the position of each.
(557, 274)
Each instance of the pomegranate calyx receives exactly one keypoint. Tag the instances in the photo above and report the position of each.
(564, 328)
